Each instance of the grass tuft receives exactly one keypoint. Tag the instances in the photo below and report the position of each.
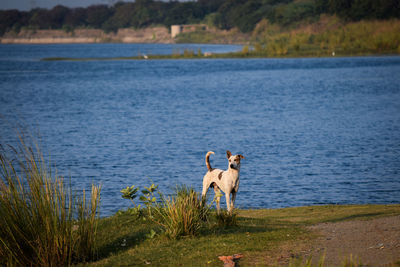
(37, 221)
(182, 214)
(226, 219)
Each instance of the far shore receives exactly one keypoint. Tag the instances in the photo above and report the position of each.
(152, 34)
(230, 55)
(145, 35)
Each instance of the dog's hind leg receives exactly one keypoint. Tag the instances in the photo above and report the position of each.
(206, 185)
(217, 192)
(233, 199)
(204, 193)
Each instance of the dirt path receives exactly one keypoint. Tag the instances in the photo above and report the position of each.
(372, 242)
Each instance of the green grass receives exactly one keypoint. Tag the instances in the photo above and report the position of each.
(124, 239)
(42, 222)
(227, 219)
(182, 214)
(188, 54)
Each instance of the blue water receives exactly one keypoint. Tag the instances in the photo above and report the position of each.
(313, 131)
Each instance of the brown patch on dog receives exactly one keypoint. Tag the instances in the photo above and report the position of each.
(237, 158)
(220, 175)
(212, 185)
(228, 154)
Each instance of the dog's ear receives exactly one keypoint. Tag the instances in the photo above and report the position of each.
(241, 156)
(228, 154)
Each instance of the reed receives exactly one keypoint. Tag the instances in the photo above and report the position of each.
(42, 222)
(226, 219)
(86, 225)
(183, 213)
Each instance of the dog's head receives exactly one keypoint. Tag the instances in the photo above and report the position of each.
(234, 160)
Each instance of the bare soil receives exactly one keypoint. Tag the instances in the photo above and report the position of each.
(373, 242)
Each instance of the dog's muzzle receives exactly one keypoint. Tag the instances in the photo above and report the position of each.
(233, 166)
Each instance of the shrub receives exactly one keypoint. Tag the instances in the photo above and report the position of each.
(226, 219)
(188, 53)
(245, 50)
(37, 221)
(182, 214)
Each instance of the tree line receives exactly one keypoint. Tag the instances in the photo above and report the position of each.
(224, 14)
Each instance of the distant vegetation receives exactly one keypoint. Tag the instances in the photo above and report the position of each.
(224, 14)
(272, 28)
(328, 36)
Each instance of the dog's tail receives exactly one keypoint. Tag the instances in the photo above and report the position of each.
(208, 160)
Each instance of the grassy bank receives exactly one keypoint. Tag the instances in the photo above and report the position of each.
(190, 54)
(321, 38)
(125, 240)
(329, 36)
(43, 223)
(326, 36)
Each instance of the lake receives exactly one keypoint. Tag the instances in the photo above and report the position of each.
(313, 130)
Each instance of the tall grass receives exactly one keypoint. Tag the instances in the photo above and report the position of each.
(183, 213)
(327, 36)
(226, 219)
(42, 223)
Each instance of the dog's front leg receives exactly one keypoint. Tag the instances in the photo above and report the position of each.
(228, 201)
(218, 206)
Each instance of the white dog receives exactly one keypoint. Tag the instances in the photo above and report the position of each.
(227, 181)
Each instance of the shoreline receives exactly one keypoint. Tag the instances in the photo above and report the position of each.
(151, 34)
(265, 237)
(231, 55)
(88, 36)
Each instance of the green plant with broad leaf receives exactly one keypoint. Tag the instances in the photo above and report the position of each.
(130, 192)
(152, 234)
(148, 197)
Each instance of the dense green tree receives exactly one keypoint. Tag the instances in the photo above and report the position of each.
(57, 16)
(245, 16)
(39, 18)
(76, 17)
(210, 6)
(121, 18)
(184, 13)
(287, 14)
(8, 18)
(98, 14)
(225, 14)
